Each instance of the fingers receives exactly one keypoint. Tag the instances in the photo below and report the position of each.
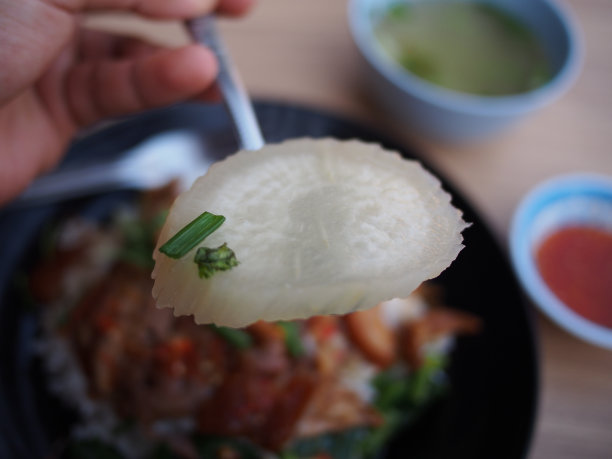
(93, 44)
(211, 94)
(234, 7)
(106, 88)
(31, 35)
(174, 9)
(167, 9)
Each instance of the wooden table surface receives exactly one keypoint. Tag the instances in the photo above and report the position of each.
(302, 52)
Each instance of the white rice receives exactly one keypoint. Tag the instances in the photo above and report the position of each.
(65, 378)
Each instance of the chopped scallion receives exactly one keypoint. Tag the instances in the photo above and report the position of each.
(191, 235)
(237, 338)
(292, 338)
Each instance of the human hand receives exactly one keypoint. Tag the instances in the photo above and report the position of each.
(56, 77)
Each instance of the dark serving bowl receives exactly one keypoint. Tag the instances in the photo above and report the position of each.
(490, 408)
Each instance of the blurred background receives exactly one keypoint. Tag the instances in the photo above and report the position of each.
(302, 52)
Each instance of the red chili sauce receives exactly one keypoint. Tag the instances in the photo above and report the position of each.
(576, 263)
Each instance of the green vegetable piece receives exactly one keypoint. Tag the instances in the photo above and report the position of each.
(420, 65)
(398, 11)
(344, 444)
(425, 382)
(292, 338)
(139, 239)
(511, 25)
(399, 391)
(210, 261)
(393, 390)
(191, 235)
(393, 422)
(237, 338)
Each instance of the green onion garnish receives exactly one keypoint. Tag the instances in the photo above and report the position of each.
(191, 235)
(237, 338)
(210, 261)
(292, 338)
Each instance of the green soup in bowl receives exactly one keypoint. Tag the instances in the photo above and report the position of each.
(470, 47)
(464, 70)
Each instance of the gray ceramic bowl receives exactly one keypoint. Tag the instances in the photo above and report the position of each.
(450, 115)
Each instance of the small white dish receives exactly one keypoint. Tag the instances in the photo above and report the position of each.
(583, 199)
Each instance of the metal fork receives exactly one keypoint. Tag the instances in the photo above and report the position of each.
(204, 31)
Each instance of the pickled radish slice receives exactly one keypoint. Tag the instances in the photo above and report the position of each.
(318, 227)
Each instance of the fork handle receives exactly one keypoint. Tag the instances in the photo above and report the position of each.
(237, 101)
(71, 183)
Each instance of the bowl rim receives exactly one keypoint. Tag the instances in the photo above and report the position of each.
(360, 27)
(551, 191)
(281, 119)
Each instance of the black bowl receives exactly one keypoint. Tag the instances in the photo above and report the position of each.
(490, 409)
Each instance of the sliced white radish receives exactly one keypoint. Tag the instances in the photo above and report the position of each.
(318, 226)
